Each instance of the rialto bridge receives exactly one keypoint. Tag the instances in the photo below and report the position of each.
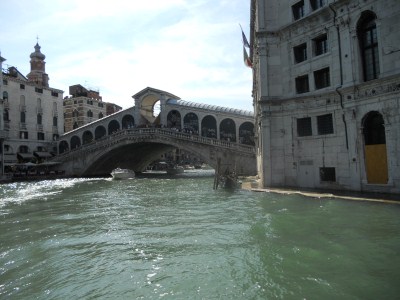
(157, 123)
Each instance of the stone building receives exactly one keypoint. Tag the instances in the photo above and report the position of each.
(32, 113)
(326, 89)
(85, 106)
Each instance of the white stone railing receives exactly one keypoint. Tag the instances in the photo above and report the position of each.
(151, 133)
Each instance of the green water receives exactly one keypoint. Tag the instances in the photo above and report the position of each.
(166, 238)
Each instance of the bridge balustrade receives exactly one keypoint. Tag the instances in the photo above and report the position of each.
(151, 133)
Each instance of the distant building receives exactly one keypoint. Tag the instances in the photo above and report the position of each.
(85, 106)
(32, 113)
(326, 93)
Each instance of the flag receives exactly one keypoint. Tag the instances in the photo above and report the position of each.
(246, 58)
(245, 42)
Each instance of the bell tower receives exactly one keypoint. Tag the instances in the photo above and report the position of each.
(38, 73)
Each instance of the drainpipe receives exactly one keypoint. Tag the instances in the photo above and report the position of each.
(341, 73)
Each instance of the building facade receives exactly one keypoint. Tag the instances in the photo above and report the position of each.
(326, 90)
(85, 106)
(32, 116)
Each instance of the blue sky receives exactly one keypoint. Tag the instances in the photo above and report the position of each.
(190, 48)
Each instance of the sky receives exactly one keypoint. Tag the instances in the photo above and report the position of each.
(190, 48)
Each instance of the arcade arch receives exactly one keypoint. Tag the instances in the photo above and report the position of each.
(227, 130)
(209, 127)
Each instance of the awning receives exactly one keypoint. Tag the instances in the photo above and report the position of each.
(10, 159)
(25, 155)
(42, 154)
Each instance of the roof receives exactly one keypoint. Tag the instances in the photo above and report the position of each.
(155, 91)
(179, 102)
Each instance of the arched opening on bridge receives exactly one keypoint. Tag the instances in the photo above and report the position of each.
(174, 119)
(149, 106)
(75, 142)
(128, 122)
(246, 134)
(87, 137)
(99, 132)
(156, 108)
(113, 127)
(63, 147)
(191, 123)
(209, 127)
(227, 130)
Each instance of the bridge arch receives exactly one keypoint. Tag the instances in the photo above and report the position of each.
(209, 127)
(63, 147)
(128, 122)
(75, 142)
(113, 127)
(174, 119)
(246, 133)
(227, 130)
(191, 122)
(99, 132)
(87, 137)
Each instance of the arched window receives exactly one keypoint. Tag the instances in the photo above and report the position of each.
(6, 115)
(75, 113)
(23, 117)
(368, 40)
(89, 113)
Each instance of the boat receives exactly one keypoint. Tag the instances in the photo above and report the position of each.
(175, 170)
(119, 173)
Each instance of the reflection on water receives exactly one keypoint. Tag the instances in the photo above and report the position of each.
(177, 238)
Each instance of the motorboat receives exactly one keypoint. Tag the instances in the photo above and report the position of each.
(175, 170)
(119, 173)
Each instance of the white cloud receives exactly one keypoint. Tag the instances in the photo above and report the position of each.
(189, 48)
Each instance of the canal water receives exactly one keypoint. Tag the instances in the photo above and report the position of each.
(163, 238)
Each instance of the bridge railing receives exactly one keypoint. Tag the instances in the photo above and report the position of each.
(154, 132)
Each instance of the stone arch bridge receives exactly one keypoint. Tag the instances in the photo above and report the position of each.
(159, 122)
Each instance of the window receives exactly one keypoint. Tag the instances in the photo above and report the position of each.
(23, 117)
(75, 114)
(55, 121)
(75, 125)
(315, 4)
(321, 78)
(40, 136)
(38, 90)
(300, 53)
(304, 127)
(23, 135)
(6, 115)
(298, 10)
(325, 124)
(327, 174)
(100, 115)
(5, 95)
(320, 45)
(39, 119)
(22, 86)
(89, 113)
(302, 84)
(368, 40)
(54, 94)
